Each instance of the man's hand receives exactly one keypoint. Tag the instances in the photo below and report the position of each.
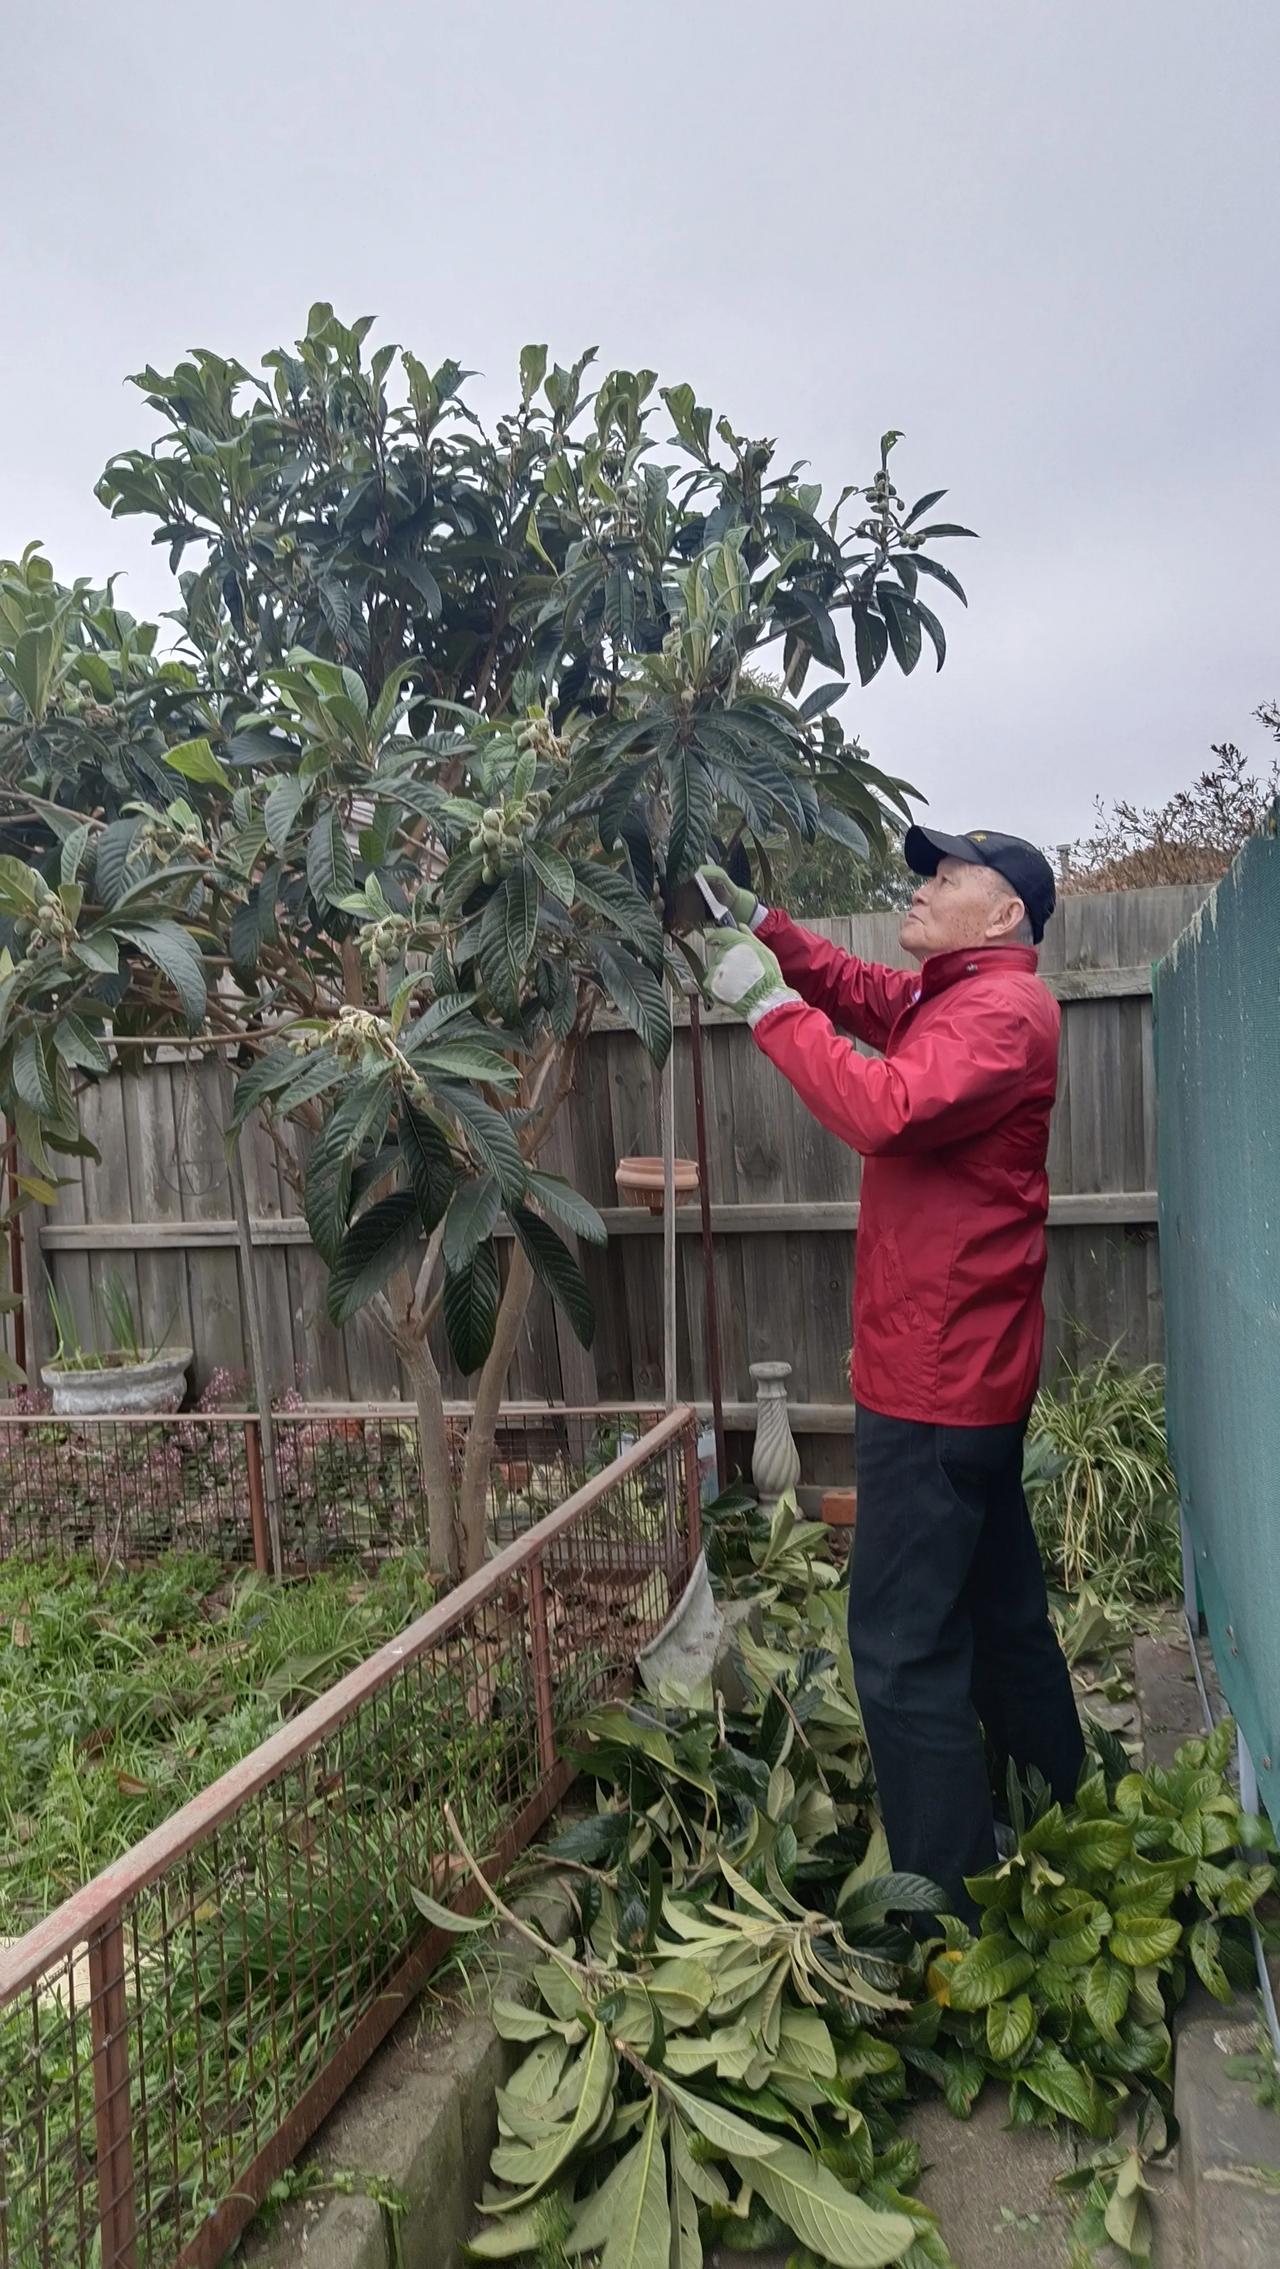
(741, 974)
(741, 903)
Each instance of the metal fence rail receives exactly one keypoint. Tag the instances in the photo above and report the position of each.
(173, 2033)
(348, 1482)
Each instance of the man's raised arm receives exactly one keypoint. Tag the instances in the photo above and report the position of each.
(861, 997)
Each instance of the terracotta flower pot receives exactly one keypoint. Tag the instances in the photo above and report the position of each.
(839, 1508)
(642, 1181)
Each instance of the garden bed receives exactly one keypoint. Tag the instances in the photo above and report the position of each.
(122, 1697)
(267, 1825)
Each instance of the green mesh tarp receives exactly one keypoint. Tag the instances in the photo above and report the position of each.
(1217, 996)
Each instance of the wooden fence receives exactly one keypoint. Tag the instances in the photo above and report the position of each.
(158, 1208)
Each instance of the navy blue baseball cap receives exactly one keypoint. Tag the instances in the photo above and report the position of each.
(1026, 870)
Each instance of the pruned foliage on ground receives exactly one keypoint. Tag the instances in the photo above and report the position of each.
(723, 2052)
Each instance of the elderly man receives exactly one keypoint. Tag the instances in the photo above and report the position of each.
(948, 1621)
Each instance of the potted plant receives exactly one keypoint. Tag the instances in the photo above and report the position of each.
(125, 1376)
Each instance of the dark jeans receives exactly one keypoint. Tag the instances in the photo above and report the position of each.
(950, 1634)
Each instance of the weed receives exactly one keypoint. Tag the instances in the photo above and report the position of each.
(1100, 1483)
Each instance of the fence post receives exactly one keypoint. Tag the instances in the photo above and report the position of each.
(109, 2028)
(257, 1500)
(692, 1491)
(540, 1648)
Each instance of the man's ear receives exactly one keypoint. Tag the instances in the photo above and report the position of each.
(1007, 915)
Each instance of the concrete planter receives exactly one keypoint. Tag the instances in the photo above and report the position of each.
(117, 1388)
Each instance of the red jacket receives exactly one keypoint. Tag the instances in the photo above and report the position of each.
(953, 1121)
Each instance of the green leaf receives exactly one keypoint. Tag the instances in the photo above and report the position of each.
(692, 812)
(556, 1196)
(471, 1295)
(33, 1076)
(381, 1241)
(823, 697)
(21, 888)
(501, 2241)
(638, 2235)
(990, 1971)
(195, 760)
(837, 826)
(546, 2159)
(961, 2081)
(444, 1918)
(111, 858)
(555, 1266)
(870, 641)
(489, 1135)
(508, 928)
(98, 951)
(1144, 1939)
(78, 1046)
(326, 1192)
(924, 504)
(1098, 1845)
(1205, 1948)
(533, 369)
(902, 623)
(869, 1898)
(637, 994)
(173, 953)
(814, 2203)
(1127, 2219)
(471, 1219)
(1107, 1986)
(686, 2238)
(941, 575)
(723, 2129)
(331, 869)
(553, 871)
(432, 1173)
(1066, 2090)
(281, 809)
(1010, 2025)
(614, 896)
(619, 605)
(463, 1059)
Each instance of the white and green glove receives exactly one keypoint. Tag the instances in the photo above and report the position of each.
(741, 974)
(743, 904)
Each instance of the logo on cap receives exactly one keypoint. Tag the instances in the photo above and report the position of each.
(978, 835)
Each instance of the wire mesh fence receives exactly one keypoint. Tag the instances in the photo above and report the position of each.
(172, 2034)
(348, 1483)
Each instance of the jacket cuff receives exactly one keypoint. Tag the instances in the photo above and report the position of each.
(781, 996)
(760, 916)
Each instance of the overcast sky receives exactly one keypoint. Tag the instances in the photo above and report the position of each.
(1038, 235)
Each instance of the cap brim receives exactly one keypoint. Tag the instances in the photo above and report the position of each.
(924, 851)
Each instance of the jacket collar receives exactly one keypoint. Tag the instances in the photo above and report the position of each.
(943, 969)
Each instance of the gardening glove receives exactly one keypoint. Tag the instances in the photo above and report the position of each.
(743, 904)
(743, 975)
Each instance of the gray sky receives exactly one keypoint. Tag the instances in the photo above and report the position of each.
(1038, 235)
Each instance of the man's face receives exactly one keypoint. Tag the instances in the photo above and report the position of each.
(962, 905)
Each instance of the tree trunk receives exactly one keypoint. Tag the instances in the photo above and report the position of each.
(443, 1533)
(473, 1497)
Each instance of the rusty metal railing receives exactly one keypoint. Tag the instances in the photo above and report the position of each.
(348, 1481)
(172, 2034)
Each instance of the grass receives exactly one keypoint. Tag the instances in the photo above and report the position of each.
(120, 1699)
(1100, 1484)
